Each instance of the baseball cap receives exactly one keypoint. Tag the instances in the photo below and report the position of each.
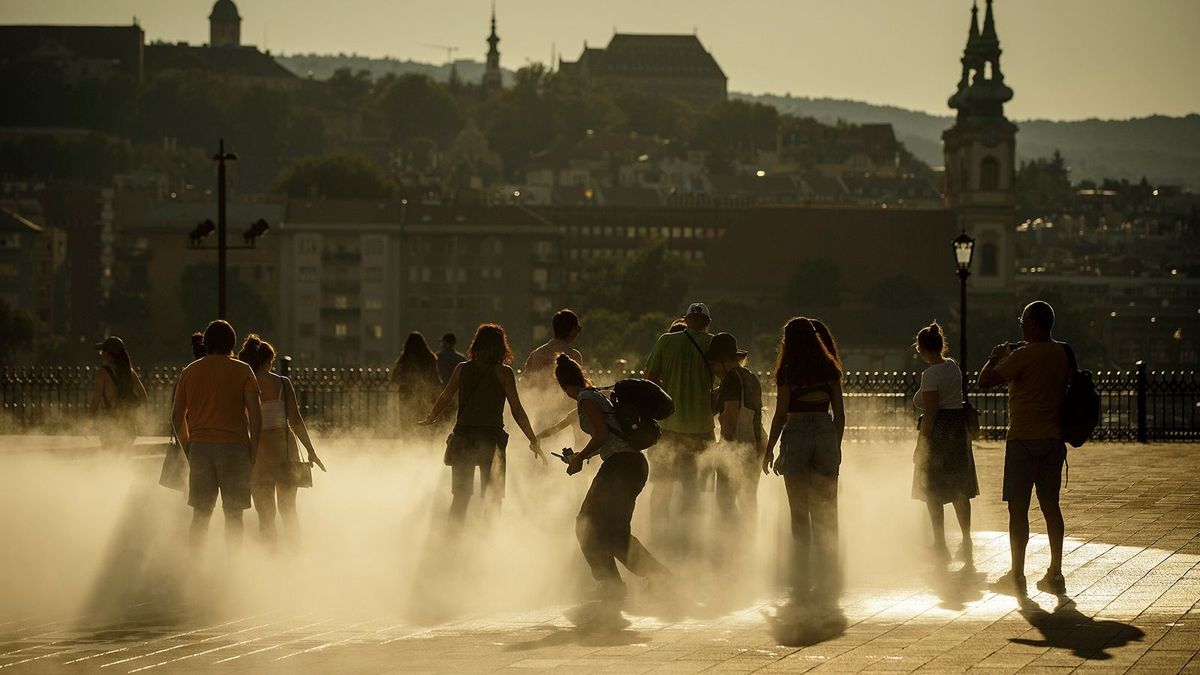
(698, 308)
(723, 346)
(111, 344)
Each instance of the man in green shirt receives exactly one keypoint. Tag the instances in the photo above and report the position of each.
(679, 364)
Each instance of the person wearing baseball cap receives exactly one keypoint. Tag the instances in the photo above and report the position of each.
(738, 406)
(117, 393)
(679, 364)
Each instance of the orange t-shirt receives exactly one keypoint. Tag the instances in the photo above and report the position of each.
(211, 390)
(1037, 376)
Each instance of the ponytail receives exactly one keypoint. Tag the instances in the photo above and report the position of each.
(569, 373)
(256, 352)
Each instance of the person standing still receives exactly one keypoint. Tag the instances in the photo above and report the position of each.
(448, 358)
(1037, 371)
(679, 364)
(538, 375)
(218, 419)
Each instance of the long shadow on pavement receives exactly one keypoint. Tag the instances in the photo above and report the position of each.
(595, 625)
(1068, 628)
(797, 625)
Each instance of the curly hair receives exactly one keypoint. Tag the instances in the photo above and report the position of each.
(807, 354)
(490, 345)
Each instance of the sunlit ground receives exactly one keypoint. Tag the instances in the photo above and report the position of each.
(96, 571)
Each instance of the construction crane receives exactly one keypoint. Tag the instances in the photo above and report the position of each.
(449, 50)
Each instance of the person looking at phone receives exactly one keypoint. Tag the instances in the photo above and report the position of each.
(603, 524)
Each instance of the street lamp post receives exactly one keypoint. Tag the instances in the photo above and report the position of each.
(964, 250)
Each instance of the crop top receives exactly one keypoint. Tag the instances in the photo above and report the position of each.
(815, 398)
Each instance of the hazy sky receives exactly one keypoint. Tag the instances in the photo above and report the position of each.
(1066, 59)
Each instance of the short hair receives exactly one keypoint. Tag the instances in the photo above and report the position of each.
(449, 339)
(198, 349)
(219, 337)
(1041, 314)
(564, 322)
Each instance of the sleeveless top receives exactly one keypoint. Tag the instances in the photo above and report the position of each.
(615, 443)
(480, 397)
(815, 398)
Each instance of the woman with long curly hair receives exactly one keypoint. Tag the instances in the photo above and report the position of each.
(483, 383)
(117, 393)
(810, 418)
(415, 375)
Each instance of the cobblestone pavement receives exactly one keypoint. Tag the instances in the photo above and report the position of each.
(1131, 566)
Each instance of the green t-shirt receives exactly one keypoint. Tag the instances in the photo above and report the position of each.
(686, 376)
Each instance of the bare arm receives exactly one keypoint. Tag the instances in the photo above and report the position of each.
(508, 381)
(557, 426)
(929, 406)
(296, 420)
(254, 417)
(728, 419)
(783, 394)
(839, 410)
(139, 390)
(595, 417)
(179, 417)
(443, 400)
(988, 375)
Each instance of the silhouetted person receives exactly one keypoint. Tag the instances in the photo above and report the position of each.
(808, 379)
(679, 364)
(482, 385)
(538, 374)
(738, 407)
(117, 394)
(198, 350)
(448, 357)
(217, 397)
(415, 375)
(603, 524)
(272, 483)
(944, 465)
(1037, 371)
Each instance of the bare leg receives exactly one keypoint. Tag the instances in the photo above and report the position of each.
(458, 507)
(287, 513)
(199, 530)
(233, 528)
(937, 518)
(798, 502)
(660, 512)
(824, 507)
(1055, 532)
(1018, 534)
(962, 510)
(264, 505)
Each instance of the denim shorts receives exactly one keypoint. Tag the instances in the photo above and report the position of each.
(219, 468)
(810, 443)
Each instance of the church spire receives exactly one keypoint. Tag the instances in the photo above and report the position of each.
(988, 36)
(491, 75)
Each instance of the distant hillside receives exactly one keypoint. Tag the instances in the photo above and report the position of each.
(322, 66)
(1163, 149)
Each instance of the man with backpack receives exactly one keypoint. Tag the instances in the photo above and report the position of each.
(679, 364)
(1038, 371)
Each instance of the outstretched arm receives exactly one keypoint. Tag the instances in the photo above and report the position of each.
(508, 381)
(443, 400)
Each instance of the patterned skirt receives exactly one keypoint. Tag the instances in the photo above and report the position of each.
(944, 468)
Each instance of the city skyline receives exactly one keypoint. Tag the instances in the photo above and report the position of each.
(1065, 58)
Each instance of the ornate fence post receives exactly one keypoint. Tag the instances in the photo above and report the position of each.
(1142, 385)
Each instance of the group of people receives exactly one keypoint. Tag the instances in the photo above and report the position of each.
(242, 429)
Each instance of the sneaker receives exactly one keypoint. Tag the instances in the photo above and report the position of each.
(1054, 584)
(1010, 584)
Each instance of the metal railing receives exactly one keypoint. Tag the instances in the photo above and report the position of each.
(1139, 405)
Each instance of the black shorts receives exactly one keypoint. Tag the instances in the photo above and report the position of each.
(1033, 464)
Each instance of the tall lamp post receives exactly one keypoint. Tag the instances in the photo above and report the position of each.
(964, 250)
(257, 229)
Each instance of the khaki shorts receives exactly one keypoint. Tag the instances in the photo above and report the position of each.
(219, 468)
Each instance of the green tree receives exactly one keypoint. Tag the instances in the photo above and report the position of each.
(18, 331)
(1043, 185)
(899, 292)
(815, 283)
(414, 105)
(335, 176)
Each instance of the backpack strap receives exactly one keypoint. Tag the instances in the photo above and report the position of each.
(703, 356)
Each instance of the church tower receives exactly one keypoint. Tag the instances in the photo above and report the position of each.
(491, 76)
(980, 155)
(224, 25)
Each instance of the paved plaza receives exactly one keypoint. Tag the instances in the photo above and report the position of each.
(1133, 514)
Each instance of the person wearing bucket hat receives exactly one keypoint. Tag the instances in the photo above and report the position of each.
(738, 406)
(117, 393)
(679, 364)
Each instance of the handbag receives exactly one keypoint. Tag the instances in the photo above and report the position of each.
(298, 471)
(175, 469)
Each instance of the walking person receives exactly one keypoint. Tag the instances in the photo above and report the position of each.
(482, 384)
(448, 357)
(944, 464)
(273, 480)
(415, 375)
(117, 395)
(1037, 371)
(738, 406)
(810, 420)
(603, 526)
(679, 364)
(218, 419)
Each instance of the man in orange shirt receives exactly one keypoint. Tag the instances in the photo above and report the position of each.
(218, 420)
(1037, 371)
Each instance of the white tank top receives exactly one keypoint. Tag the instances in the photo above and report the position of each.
(273, 415)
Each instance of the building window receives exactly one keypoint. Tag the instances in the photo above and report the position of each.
(373, 274)
(989, 263)
(373, 304)
(377, 331)
(989, 174)
(341, 330)
(341, 302)
(308, 273)
(308, 330)
(308, 245)
(426, 274)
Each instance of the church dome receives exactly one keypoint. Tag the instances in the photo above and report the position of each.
(224, 10)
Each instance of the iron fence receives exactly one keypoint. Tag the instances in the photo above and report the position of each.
(1138, 405)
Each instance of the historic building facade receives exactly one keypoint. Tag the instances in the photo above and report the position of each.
(676, 65)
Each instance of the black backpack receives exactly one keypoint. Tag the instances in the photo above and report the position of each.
(638, 405)
(1081, 406)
